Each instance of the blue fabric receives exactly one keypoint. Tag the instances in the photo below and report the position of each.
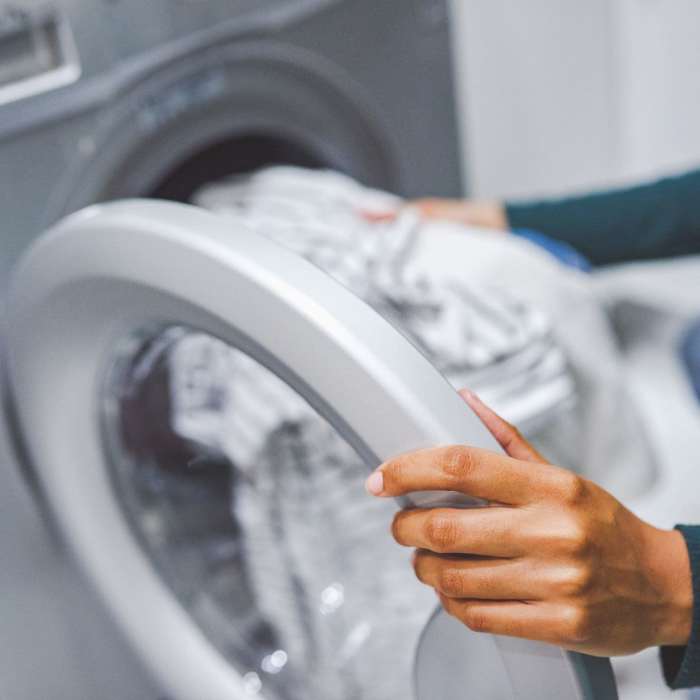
(690, 352)
(563, 252)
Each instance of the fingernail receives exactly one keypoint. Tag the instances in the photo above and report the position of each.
(375, 483)
(470, 396)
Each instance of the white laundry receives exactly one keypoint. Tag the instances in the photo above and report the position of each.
(478, 334)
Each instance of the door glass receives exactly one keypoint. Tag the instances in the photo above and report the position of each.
(252, 509)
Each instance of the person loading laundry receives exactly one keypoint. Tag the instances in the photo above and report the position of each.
(557, 558)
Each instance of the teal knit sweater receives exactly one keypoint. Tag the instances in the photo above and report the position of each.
(656, 220)
(681, 665)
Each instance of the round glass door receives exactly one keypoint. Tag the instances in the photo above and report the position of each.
(157, 365)
(252, 509)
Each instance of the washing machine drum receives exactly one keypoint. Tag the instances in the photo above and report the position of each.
(199, 409)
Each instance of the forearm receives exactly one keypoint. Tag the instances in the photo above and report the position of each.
(655, 220)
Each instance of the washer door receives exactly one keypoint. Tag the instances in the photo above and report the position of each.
(223, 568)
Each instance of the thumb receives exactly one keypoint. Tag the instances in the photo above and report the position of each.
(507, 435)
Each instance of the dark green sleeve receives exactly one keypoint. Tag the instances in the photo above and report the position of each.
(681, 665)
(656, 220)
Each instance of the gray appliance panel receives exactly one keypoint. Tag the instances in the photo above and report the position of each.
(56, 640)
(391, 62)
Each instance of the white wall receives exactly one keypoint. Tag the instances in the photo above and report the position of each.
(659, 80)
(559, 95)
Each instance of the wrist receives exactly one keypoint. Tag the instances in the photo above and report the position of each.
(669, 566)
(495, 215)
(502, 215)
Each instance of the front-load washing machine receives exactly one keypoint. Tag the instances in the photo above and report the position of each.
(116, 98)
(241, 573)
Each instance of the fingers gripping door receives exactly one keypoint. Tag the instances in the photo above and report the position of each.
(114, 284)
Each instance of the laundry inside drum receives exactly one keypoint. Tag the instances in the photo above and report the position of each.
(252, 509)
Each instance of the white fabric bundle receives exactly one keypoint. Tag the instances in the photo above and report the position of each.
(475, 331)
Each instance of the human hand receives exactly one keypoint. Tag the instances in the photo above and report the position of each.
(554, 557)
(482, 214)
